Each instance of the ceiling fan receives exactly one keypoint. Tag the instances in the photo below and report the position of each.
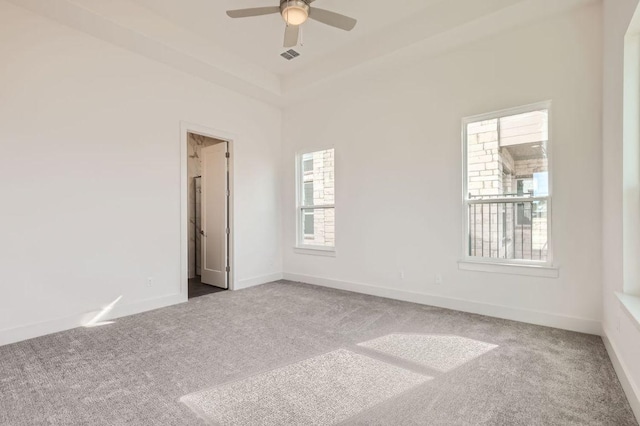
(295, 13)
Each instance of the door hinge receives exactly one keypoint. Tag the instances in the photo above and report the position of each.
(228, 231)
(228, 268)
(226, 154)
(228, 193)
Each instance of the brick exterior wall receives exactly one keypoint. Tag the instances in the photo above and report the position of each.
(484, 168)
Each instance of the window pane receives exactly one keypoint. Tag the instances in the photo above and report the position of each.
(318, 227)
(508, 156)
(318, 178)
(307, 163)
(308, 225)
(307, 195)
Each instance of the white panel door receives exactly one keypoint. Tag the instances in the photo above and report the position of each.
(214, 215)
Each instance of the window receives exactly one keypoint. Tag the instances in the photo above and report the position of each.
(507, 198)
(307, 195)
(308, 224)
(307, 165)
(316, 200)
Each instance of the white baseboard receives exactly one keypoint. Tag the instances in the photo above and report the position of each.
(630, 388)
(38, 329)
(29, 331)
(252, 282)
(581, 325)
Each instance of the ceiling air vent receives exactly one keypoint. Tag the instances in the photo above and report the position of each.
(290, 54)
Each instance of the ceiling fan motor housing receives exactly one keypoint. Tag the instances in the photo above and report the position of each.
(294, 12)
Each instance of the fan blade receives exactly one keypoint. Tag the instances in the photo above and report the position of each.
(291, 35)
(332, 19)
(256, 11)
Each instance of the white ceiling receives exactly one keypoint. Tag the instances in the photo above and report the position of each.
(259, 39)
(197, 37)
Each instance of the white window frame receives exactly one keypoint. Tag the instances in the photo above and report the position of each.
(302, 247)
(484, 263)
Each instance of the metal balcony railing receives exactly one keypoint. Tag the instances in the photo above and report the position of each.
(511, 226)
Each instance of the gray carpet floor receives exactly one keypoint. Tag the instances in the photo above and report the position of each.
(141, 369)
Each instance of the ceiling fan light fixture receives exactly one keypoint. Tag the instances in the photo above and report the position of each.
(294, 12)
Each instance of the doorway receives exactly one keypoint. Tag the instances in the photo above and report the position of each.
(208, 214)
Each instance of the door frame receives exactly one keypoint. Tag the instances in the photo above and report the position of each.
(185, 129)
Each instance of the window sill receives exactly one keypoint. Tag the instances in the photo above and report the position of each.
(631, 305)
(510, 268)
(313, 251)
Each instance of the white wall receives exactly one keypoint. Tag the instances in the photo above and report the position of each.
(90, 176)
(399, 173)
(622, 335)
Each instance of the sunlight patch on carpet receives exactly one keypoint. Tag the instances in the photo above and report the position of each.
(438, 352)
(323, 390)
